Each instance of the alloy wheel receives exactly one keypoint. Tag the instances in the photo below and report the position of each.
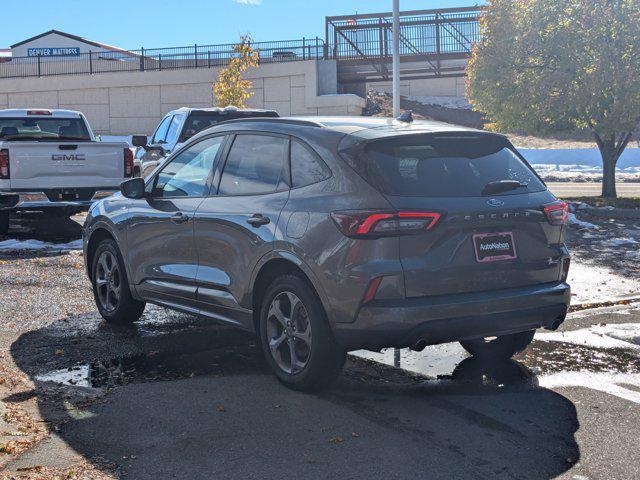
(108, 281)
(289, 332)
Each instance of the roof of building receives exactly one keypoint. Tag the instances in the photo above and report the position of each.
(73, 37)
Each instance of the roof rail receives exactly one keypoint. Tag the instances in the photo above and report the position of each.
(290, 121)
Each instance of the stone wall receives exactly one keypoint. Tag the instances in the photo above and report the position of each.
(134, 102)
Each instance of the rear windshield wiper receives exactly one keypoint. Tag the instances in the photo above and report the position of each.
(501, 186)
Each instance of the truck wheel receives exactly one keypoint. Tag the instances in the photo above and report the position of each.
(111, 287)
(505, 346)
(295, 336)
(4, 222)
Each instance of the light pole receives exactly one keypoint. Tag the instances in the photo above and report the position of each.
(396, 58)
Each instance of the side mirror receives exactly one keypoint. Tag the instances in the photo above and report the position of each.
(133, 188)
(139, 140)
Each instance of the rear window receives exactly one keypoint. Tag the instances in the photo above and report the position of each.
(43, 128)
(196, 122)
(442, 166)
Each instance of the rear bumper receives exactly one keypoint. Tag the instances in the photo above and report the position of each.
(450, 318)
(38, 200)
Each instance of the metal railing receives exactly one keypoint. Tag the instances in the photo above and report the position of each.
(194, 56)
(428, 34)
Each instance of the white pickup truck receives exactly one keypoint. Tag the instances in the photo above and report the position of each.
(50, 160)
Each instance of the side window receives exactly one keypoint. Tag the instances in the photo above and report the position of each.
(255, 165)
(187, 174)
(161, 131)
(173, 130)
(306, 166)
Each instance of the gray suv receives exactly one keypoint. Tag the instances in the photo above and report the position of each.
(325, 235)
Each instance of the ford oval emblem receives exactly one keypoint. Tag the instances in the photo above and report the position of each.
(494, 202)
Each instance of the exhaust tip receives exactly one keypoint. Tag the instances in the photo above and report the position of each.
(419, 345)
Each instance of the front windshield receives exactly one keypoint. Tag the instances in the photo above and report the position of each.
(43, 128)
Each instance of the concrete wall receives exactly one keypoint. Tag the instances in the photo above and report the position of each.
(134, 102)
(440, 87)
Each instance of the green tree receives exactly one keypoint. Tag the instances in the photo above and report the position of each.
(546, 66)
(231, 88)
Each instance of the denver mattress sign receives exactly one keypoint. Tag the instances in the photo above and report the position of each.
(54, 52)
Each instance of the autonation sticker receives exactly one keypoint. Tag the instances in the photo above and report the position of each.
(54, 52)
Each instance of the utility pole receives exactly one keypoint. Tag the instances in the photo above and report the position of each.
(396, 58)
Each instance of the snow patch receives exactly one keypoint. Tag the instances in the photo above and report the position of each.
(573, 220)
(619, 242)
(585, 160)
(37, 245)
(623, 335)
(593, 283)
(607, 382)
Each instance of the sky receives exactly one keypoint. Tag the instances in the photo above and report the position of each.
(156, 23)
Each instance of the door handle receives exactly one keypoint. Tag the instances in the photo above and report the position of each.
(179, 218)
(258, 220)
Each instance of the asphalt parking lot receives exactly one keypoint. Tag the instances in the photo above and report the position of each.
(177, 397)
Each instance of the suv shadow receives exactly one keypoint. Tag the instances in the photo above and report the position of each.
(220, 414)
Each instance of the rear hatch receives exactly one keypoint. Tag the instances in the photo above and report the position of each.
(39, 165)
(492, 232)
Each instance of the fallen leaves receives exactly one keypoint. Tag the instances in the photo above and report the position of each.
(7, 448)
(81, 471)
(32, 430)
(221, 408)
(587, 306)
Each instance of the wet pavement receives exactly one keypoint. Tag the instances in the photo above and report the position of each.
(175, 396)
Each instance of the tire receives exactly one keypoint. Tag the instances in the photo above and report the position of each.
(502, 347)
(291, 315)
(4, 222)
(111, 287)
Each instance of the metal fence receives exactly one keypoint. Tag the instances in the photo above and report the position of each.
(194, 56)
(450, 31)
(428, 34)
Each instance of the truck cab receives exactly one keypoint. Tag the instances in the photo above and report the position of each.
(180, 125)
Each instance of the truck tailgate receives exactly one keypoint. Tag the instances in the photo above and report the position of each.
(47, 165)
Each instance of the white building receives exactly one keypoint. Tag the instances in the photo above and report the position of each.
(57, 44)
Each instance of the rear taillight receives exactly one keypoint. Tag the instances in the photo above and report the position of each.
(557, 213)
(128, 162)
(5, 172)
(366, 223)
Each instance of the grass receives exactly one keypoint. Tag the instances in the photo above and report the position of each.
(623, 202)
